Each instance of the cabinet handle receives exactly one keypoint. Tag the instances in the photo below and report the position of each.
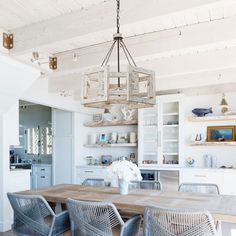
(42, 177)
(202, 176)
(43, 169)
(88, 171)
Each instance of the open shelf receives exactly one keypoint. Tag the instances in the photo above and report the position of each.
(111, 123)
(212, 118)
(110, 145)
(170, 140)
(170, 126)
(213, 144)
(170, 153)
(171, 114)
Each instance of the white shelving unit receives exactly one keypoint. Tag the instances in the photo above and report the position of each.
(160, 131)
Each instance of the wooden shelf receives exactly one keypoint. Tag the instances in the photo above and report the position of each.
(213, 144)
(212, 118)
(110, 145)
(111, 123)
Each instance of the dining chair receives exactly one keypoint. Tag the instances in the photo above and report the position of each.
(99, 219)
(95, 182)
(34, 216)
(146, 184)
(171, 222)
(199, 188)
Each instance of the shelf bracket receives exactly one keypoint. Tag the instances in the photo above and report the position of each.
(7, 41)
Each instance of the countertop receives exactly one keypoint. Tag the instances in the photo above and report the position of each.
(177, 168)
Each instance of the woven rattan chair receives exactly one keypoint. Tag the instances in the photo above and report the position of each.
(95, 182)
(145, 184)
(99, 219)
(169, 222)
(199, 188)
(34, 216)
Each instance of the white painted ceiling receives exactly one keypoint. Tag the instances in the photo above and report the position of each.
(180, 40)
(19, 13)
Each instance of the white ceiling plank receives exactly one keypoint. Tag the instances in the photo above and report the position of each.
(201, 79)
(200, 37)
(68, 28)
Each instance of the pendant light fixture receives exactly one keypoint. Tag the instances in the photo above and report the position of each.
(105, 86)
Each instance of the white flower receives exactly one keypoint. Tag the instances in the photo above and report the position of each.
(124, 170)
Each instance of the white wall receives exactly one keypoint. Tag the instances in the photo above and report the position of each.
(225, 155)
(10, 181)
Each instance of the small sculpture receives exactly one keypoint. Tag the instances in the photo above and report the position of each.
(200, 112)
(128, 114)
(224, 105)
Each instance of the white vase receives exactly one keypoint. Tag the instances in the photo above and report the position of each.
(123, 187)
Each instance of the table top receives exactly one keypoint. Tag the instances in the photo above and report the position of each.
(222, 207)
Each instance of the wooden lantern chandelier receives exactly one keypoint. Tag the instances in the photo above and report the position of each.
(102, 87)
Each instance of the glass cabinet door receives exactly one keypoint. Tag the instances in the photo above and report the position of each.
(150, 136)
(170, 133)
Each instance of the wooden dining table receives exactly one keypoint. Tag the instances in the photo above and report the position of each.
(222, 207)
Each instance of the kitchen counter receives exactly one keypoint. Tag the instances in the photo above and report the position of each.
(178, 168)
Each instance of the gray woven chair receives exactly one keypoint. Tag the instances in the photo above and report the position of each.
(95, 182)
(145, 184)
(169, 222)
(199, 188)
(34, 216)
(99, 219)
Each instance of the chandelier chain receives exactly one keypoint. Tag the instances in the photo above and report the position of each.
(118, 16)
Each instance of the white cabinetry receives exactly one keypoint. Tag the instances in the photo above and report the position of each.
(90, 172)
(160, 132)
(41, 176)
(222, 178)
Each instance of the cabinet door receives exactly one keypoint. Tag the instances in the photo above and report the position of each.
(149, 136)
(90, 173)
(170, 132)
(229, 187)
(63, 152)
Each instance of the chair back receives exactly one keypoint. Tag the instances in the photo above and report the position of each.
(94, 182)
(93, 218)
(145, 184)
(170, 222)
(30, 213)
(199, 188)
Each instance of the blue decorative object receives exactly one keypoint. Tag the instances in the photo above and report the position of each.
(202, 111)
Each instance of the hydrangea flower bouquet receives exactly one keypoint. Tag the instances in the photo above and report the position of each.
(124, 171)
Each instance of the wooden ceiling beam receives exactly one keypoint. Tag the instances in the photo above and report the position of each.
(92, 26)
